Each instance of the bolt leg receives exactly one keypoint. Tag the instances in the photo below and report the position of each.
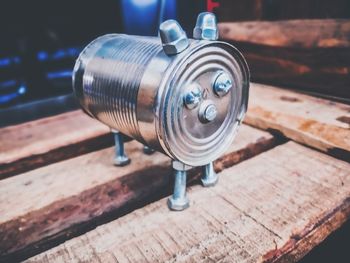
(148, 150)
(209, 178)
(179, 201)
(120, 158)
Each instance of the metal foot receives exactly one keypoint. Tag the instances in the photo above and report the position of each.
(147, 150)
(179, 201)
(209, 177)
(120, 158)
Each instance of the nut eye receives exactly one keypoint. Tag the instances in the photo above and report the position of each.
(222, 84)
(192, 96)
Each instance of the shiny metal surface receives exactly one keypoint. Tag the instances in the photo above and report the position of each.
(130, 84)
(209, 177)
(173, 37)
(179, 201)
(206, 27)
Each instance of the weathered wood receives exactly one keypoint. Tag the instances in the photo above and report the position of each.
(296, 9)
(238, 10)
(55, 202)
(37, 143)
(319, 123)
(312, 55)
(263, 209)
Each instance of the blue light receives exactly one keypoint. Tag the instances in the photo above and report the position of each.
(5, 62)
(59, 54)
(8, 83)
(8, 97)
(42, 56)
(22, 89)
(143, 3)
(59, 74)
(142, 17)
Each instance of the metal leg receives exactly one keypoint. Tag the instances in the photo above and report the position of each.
(209, 177)
(120, 158)
(179, 201)
(148, 150)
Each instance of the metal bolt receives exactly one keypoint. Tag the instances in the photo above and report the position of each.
(120, 158)
(210, 177)
(222, 84)
(173, 37)
(193, 96)
(207, 112)
(148, 150)
(179, 201)
(206, 27)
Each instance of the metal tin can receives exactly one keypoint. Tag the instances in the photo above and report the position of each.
(188, 106)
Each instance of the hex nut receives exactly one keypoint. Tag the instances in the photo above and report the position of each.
(179, 166)
(206, 27)
(174, 38)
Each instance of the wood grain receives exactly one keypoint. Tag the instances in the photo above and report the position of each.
(262, 209)
(311, 55)
(316, 122)
(44, 141)
(56, 202)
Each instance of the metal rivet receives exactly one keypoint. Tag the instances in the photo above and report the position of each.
(173, 37)
(222, 84)
(206, 27)
(193, 96)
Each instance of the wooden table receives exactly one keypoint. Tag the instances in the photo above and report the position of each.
(284, 187)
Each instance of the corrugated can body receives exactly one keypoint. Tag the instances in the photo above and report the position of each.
(188, 105)
(107, 77)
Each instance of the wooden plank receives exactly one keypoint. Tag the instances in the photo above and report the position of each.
(312, 55)
(61, 200)
(263, 209)
(248, 10)
(319, 123)
(37, 143)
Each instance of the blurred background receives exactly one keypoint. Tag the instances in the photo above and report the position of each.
(40, 40)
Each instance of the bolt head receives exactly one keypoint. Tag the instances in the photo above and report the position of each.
(193, 96)
(210, 181)
(207, 112)
(121, 160)
(206, 27)
(174, 38)
(223, 84)
(178, 204)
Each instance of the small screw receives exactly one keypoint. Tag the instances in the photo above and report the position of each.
(207, 112)
(120, 158)
(193, 96)
(210, 177)
(222, 84)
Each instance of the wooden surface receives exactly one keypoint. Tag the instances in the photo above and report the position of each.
(319, 123)
(247, 10)
(273, 207)
(312, 55)
(37, 143)
(53, 202)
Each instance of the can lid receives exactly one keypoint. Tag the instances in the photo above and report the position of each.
(203, 102)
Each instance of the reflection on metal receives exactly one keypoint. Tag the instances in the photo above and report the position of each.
(186, 100)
